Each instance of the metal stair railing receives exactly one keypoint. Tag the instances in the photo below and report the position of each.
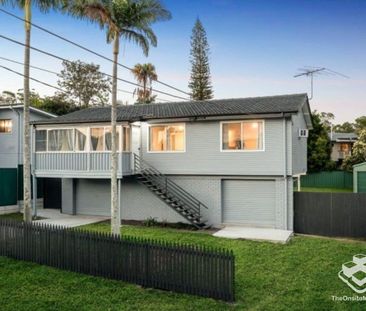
(166, 185)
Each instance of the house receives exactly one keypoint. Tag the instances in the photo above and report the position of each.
(229, 161)
(11, 154)
(342, 144)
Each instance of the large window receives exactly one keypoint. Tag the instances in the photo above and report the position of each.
(6, 126)
(169, 138)
(245, 136)
(80, 139)
(60, 140)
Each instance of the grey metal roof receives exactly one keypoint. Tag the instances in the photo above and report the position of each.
(343, 136)
(188, 109)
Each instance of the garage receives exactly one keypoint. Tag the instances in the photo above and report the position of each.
(249, 202)
(93, 197)
(359, 178)
(361, 182)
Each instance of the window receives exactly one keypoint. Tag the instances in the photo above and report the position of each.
(167, 138)
(60, 140)
(6, 126)
(108, 138)
(126, 139)
(80, 138)
(41, 140)
(245, 136)
(97, 139)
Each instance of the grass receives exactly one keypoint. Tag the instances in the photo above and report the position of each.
(309, 189)
(301, 275)
(16, 216)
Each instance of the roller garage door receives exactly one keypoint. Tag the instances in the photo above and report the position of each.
(93, 197)
(249, 202)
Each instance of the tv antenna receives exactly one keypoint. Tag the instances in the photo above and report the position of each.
(310, 71)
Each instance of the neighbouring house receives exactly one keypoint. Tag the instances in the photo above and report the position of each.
(229, 161)
(11, 155)
(342, 144)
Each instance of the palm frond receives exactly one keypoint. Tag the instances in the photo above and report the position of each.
(137, 38)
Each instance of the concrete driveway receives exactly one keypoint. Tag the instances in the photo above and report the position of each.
(54, 217)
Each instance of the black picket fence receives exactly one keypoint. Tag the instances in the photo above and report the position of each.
(169, 266)
(330, 214)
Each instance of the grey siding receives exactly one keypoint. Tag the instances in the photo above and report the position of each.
(68, 196)
(11, 145)
(299, 145)
(261, 197)
(250, 202)
(92, 197)
(138, 203)
(203, 154)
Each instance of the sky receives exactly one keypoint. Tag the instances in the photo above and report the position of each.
(256, 47)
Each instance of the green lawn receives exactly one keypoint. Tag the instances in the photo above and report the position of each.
(15, 216)
(301, 275)
(308, 189)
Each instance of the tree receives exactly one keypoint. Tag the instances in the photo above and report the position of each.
(58, 105)
(326, 118)
(358, 154)
(200, 81)
(360, 124)
(346, 127)
(34, 98)
(8, 98)
(123, 19)
(84, 83)
(26, 5)
(145, 74)
(319, 146)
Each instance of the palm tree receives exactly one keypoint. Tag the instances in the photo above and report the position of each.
(130, 20)
(26, 5)
(145, 74)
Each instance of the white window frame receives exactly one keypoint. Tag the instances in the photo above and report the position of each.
(241, 131)
(166, 124)
(88, 144)
(12, 123)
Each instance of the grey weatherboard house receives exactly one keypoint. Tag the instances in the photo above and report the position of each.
(219, 162)
(11, 154)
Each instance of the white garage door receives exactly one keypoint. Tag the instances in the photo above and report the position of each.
(249, 202)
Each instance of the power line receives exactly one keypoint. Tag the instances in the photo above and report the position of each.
(86, 49)
(33, 79)
(55, 73)
(68, 61)
(31, 66)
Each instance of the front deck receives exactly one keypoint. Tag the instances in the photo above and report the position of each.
(80, 164)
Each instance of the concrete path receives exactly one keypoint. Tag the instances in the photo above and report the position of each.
(54, 217)
(251, 233)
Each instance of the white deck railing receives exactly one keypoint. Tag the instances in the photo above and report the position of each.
(80, 162)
